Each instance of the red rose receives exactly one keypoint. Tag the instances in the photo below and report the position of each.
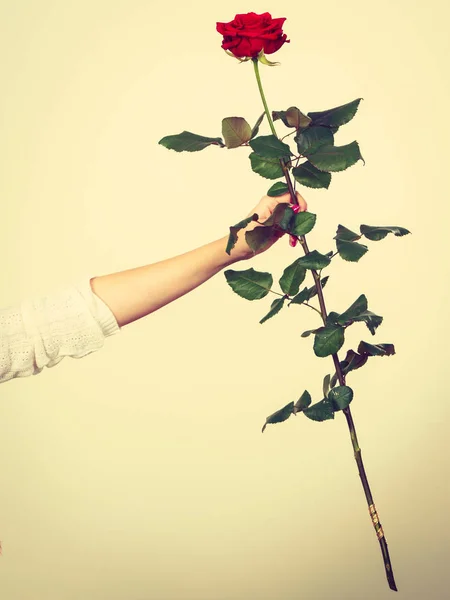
(248, 34)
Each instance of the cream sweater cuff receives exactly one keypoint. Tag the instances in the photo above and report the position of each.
(99, 309)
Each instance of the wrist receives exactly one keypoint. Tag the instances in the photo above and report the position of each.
(241, 251)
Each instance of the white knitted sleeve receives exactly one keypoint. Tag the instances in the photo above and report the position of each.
(39, 333)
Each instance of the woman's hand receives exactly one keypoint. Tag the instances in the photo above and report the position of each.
(263, 209)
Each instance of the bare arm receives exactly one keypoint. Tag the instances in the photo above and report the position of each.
(135, 293)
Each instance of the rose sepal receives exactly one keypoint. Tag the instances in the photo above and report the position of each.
(237, 57)
(262, 58)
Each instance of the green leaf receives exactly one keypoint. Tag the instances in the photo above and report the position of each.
(378, 233)
(308, 175)
(332, 318)
(342, 233)
(328, 340)
(307, 293)
(269, 146)
(372, 320)
(275, 308)
(313, 290)
(292, 277)
(321, 411)
(308, 332)
(326, 384)
(232, 238)
(303, 296)
(335, 158)
(333, 381)
(269, 168)
(256, 126)
(351, 251)
(189, 142)
(340, 397)
(302, 223)
(260, 238)
(314, 260)
(358, 312)
(309, 140)
(334, 117)
(303, 402)
(376, 350)
(236, 131)
(353, 361)
(249, 284)
(358, 307)
(292, 117)
(280, 415)
(277, 189)
(281, 216)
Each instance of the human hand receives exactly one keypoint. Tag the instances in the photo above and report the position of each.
(263, 209)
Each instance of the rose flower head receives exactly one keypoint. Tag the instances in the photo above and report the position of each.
(251, 35)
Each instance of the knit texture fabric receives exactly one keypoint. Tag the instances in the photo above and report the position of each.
(39, 333)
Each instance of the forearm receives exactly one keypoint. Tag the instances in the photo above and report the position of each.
(135, 293)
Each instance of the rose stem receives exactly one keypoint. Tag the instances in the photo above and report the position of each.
(339, 373)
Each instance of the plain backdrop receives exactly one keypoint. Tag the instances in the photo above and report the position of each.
(140, 472)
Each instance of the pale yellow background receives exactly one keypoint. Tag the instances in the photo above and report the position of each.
(140, 471)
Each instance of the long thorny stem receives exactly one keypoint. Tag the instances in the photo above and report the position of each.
(339, 373)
